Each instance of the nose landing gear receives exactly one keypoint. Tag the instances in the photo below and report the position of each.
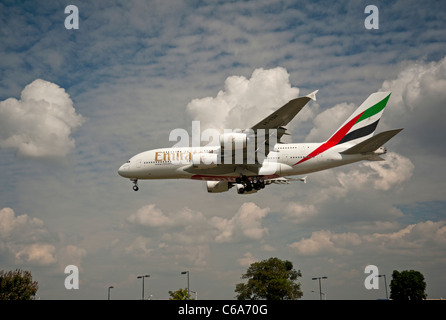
(135, 184)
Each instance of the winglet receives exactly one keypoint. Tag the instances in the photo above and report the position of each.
(312, 95)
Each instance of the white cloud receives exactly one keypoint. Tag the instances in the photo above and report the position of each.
(10, 225)
(71, 254)
(324, 241)
(40, 124)
(395, 170)
(197, 255)
(140, 247)
(28, 241)
(338, 195)
(413, 240)
(419, 85)
(24, 237)
(417, 104)
(422, 239)
(297, 212)
(36, 253)
(138, 69)
(247, 223)
(186, 236)
(247, 260)
(150, 216)
(182, 235)
(174, 248)
(326, 122)
(196, 228)
(244, 102)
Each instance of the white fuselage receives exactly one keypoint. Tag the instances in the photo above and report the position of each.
(237, 160)
(285, 160)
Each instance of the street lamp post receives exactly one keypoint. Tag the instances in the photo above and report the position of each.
(320, 287)
(196, 294)
(187, 272)
(323, 293)
(142, 277)
(111, 287)
(385, 283)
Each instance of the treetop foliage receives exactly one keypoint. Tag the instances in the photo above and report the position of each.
(407, 285)
(271, 279)
(17, 285)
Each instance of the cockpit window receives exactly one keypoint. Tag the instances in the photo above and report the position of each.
(128, 161)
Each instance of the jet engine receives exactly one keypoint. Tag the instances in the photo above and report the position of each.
(217, 186)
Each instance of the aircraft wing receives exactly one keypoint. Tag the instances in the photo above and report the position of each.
(275, 122)
(285, 114)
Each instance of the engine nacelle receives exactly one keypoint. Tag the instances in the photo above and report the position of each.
(217, 186)
(234, 140)
(205, 160)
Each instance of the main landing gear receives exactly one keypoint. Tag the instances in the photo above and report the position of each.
(135, 184)
(248, 184)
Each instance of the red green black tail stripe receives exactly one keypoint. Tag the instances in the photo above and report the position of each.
(344, 134)
(361, 132)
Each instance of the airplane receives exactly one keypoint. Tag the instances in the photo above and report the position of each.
(223, 167)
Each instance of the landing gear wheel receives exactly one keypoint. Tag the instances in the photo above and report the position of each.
(135, 184)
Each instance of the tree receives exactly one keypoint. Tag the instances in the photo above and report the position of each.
(17, 285)
(271, 279)
(180, 294)
(407, 285)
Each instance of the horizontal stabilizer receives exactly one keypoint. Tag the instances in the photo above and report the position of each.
(286, 180)
(372, 143)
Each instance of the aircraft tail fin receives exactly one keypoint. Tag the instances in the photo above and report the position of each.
(358, 128)
(362, 123)
(373, 143)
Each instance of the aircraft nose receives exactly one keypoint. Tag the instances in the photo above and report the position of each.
(123, 169)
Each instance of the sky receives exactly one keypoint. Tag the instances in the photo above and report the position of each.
(75, 104)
